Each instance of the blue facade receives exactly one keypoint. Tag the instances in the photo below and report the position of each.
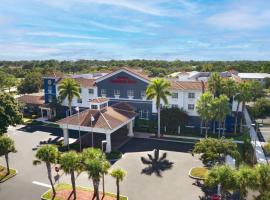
(49, 89)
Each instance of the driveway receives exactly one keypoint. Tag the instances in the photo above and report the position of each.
(173, 184)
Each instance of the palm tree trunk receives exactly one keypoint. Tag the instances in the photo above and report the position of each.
(7, 162)
(214, 127)
(48, 165)
(158, 133)
(224, 126)
(96, 190)
(235, 120)
(118, 189)
(70, 110)
(206, 128)
(219, 129)
(201, 126)
(73, 184)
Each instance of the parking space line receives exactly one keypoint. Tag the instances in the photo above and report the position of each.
(41, 184)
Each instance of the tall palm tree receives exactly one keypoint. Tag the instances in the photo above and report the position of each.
(214, 84)
(158, 89)
(96, 164)
(228, 87)
(119, 175)
(70, 162)
(48, 154)
(69, 89)
(7, 146)
(204, 108)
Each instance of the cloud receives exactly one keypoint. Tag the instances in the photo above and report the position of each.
(64, 35)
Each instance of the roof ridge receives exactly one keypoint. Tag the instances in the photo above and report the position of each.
(105, 120)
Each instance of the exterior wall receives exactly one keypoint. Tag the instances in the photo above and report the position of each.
(49, 89)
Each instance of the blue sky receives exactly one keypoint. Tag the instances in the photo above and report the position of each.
(135, 29)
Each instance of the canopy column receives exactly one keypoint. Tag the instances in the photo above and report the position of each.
(108, 145)
(66, 136)
(130, 129)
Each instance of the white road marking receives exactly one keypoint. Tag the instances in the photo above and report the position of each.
(41, 184)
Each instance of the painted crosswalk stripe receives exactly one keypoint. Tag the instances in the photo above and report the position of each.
(41, 184)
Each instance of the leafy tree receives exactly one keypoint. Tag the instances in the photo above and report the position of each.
(7, 146)
(70, 163)
(31, 83)
(48, 154)
(172, 118)
(228, 87)
(69, 89)
(215, 150)
(263, 178)
(221, 108)
(257, 90)
(214, 84)
(261, 108)
(204, 108)
(10, 81)
(158, 89)
(9, 112)
(223, 175)
(96, 164)
(119, 175)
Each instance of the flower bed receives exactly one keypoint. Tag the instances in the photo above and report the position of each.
(3, 174)
(63, 191)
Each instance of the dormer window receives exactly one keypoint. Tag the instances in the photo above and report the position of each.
(130, 93)
(98, 103)
(116, 93)
(94, 107)
(103, 92)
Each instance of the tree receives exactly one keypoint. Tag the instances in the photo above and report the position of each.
(214, 84)
(47, 154)
(257, 90)
(31, 83)
(119, 175)
(69, 89)
(261, 108)
(204, 109)
(215, 150)
(223, 175)
(9, 112)
(96, 165)
(7, 146)
(263, 178)
(70, 163)
(158, 89)
(221, 108)
(228, 87)
(10, 81)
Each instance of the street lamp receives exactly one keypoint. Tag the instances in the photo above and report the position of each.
(92, 119)
(103, 142)
(80, 140)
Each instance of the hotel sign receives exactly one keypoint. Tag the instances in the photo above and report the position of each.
(123, 80)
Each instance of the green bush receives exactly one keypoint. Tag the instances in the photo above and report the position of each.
(114, 155)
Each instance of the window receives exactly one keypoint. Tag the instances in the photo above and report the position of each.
(191, 95)
(49, 98)
(191, 106)
(103, 105)
(175, 95)
(80, 90)
(94, 107)
(49, 89)
(174, 106)
(130, 93)
(103, 92)
(91, 91)
(79, 100)
(143, 94)
(144, 114)
(116, 92)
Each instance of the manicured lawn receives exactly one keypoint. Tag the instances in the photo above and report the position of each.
(198, 172)
(3, 174)
(63, 191)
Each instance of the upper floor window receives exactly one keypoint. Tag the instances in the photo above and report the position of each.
(49, 89)
(144, 114)
(130, 93)
(94, 107)
(191, 106)
(175, 95)
(103, 92)
(80, 90)
(191, 95)
(143, 94)
(116, 92)
(79, 100)
(91, 91)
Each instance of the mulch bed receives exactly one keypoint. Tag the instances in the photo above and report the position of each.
(81, 195)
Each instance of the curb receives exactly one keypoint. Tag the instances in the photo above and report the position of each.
(11, 176)
(194, 177)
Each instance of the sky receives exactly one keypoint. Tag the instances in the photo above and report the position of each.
(135, 29)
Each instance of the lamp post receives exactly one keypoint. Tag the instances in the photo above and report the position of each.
(103, 142)
(80, 140)
(92, 119)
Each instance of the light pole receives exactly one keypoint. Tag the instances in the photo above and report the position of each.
(255, 142)
(92, 119)
(103, 142)
(80, 140)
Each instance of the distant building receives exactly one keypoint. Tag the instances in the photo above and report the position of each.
(260, 77)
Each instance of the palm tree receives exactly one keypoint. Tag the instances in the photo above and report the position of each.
(224, 176)
(47, 154)
(96, 165)
(214, 84)
(221, 108)
(70, 162)
(243, 95)
(204, 108)
(69, 89)
(7, 146)
(119, 175)
(158, 89)
(228, 87)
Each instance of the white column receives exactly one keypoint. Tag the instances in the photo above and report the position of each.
(108, 145)
(130, 129)
(66, 136)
